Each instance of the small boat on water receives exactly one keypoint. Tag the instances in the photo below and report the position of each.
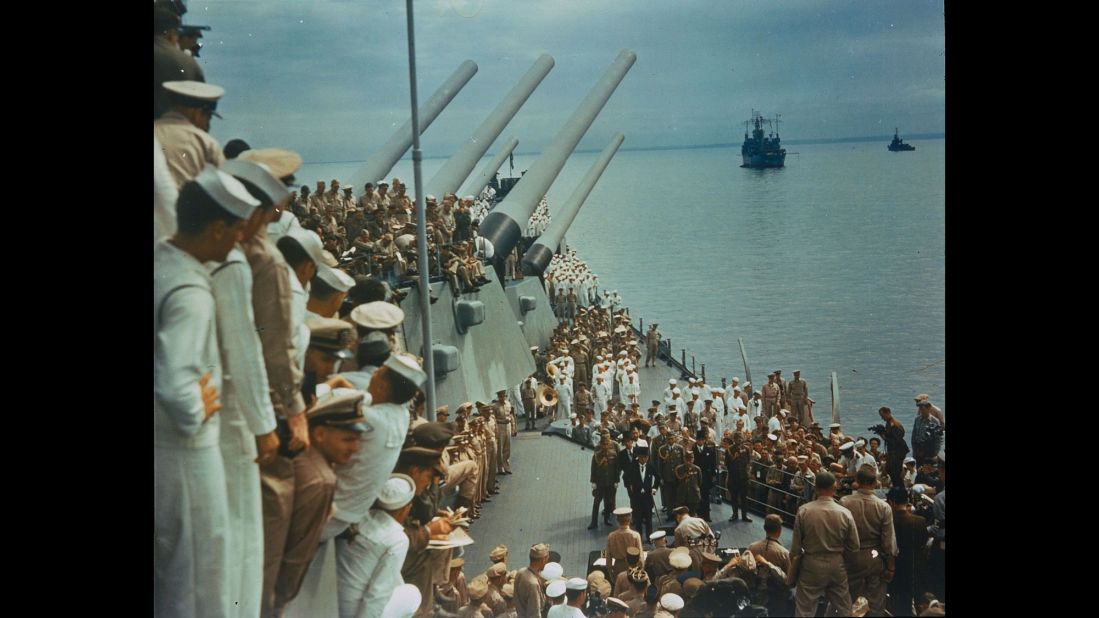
(898, 145)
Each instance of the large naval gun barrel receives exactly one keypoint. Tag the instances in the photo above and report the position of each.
(457, 168)
(538, 256)
(384, 160)
(504, 225)
(477, 183)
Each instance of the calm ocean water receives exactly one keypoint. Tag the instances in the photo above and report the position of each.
(834, 263)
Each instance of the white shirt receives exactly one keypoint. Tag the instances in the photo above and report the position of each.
(245, 398)
(369, 568)
(564, 611)
(484, 248)
(165, 194)
(359, 482)
(773, 424)
(185, 347)
(299, 332)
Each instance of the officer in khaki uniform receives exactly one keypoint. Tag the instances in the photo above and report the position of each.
(868, 574)
(771, 395)
(335, 424)
(797, 393)
(652, 345)
(183, 130)
(505, 422)
(823, 531)
(619, 541)
(530, 402)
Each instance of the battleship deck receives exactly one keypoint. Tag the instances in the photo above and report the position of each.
(548, 499)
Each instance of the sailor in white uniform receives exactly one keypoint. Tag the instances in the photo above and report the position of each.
(190, 503)
(563, 386)
(601, 395)
(668, 391)
(370, 568)
(248, 417)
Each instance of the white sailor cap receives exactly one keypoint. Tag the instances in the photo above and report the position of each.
(405, 364)
(659, 534)
(577, 583)
(671, 381)
(430, 198)
(909, 460)
(397, 491)
(671, 602)
(617, 605)
(551, 571)
(834, 426)
(623, 510)
(336, 279)
(196, 94)
(258, 178)
(227, 191)
(772, 437)
(404, 602)
(642, 443)
(311, 243)
(861, 442)
(377, 315)
(783, 412)
(555, 588)
(469, 197)
(600, 562)
(680, 560)
(919, 488)
(846, 446)
(691, 380)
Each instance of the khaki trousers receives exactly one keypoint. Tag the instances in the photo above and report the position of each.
(822, 574)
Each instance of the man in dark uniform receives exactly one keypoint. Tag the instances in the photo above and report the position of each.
(896, 447)
(911, 531)
(671, 456)
(705, 458)
(642, 481)
(737, 459)
(604, 480)
(170, 63)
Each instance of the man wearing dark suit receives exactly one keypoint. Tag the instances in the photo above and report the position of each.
(626, 458)
(705, 458)
(737, 459)
(642, 481)
(911, 531)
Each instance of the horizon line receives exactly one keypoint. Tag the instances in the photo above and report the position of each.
(794, 142)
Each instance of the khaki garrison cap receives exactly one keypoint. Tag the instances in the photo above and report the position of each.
(539, 550)
(344, 411)
(257, 178)
(377, 315)
(478, 587)
(330, 335)
(499, 552)
(226, 191)
(279, 162)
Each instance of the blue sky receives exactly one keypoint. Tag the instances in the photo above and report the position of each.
(330, 78)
